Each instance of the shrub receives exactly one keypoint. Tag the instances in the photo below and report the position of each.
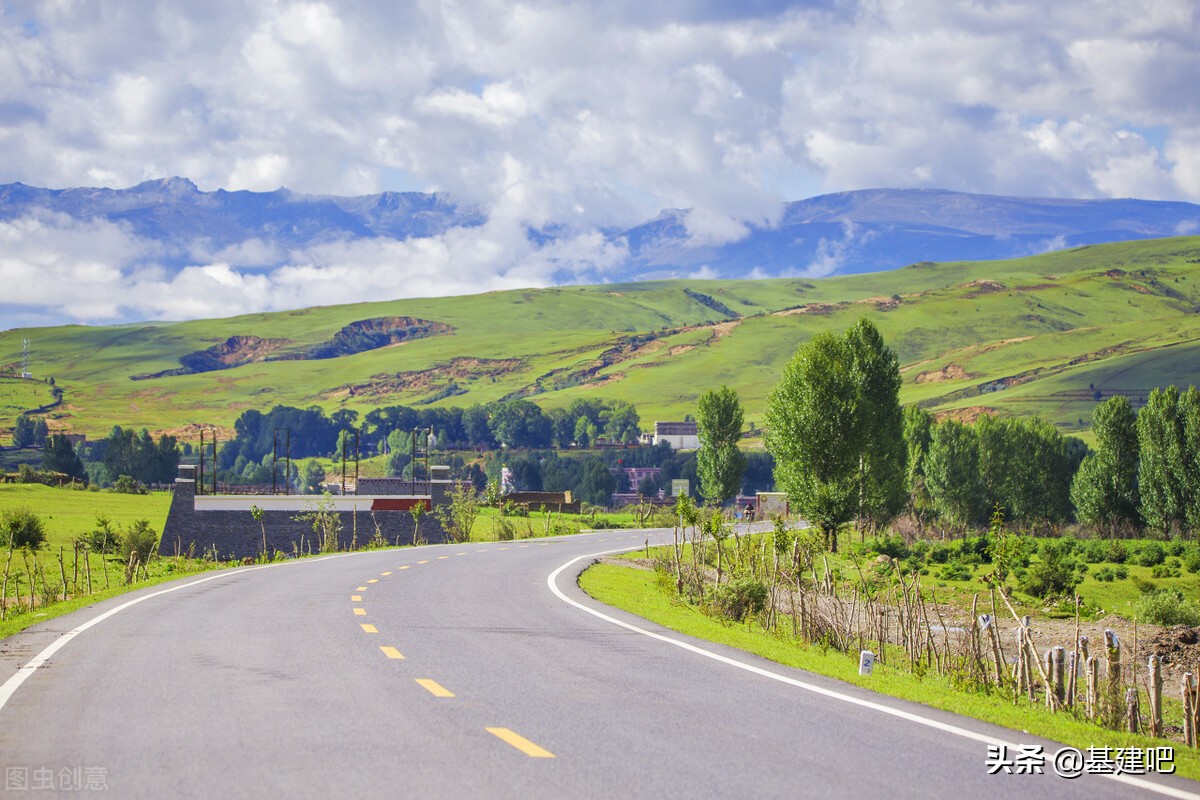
(740, 598)
(127, 485)
(104, 538)
(1055, 573)
(975, 549)
(20, 527)
(1164, 571)
(1166, 607)
(956, 571)
(1104, 574)
(890, 546)
(1175, 547)
(1149, 554)
(1191, 559)
(1143, 585)
(1094, 551)
(1116, 552)
(140, 538)
(939, 553)
(1121, 571)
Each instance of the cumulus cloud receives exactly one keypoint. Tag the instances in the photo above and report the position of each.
(586, 115)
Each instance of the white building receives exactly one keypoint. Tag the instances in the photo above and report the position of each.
(680, 435)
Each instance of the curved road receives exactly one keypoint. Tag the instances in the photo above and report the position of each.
(459, 671)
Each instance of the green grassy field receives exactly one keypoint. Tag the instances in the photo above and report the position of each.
(69, 513)
(1046, 331)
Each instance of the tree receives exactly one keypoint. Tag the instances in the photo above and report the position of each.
(20, 527)
(596, 483)
(881, 494)
(621, 423)
(29, 431)
(314, 477)
(720, 462)
(1187, 462)
(1160, 442)
(475, 427)
(59, 455)
(918, 432)
(520, 423)
(952, 472)
(457, 515)
(1105, 489)
(1026, 466)
(815, 434)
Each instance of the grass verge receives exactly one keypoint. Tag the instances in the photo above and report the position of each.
(635, 590)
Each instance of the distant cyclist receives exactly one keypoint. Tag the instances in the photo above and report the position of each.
(749, 515)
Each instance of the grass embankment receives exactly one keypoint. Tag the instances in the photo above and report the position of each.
(69, 514)
(638, 591)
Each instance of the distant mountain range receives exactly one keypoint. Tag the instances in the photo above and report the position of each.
(848, 232)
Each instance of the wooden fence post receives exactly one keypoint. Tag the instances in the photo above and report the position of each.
(1132, 716)
(1191, 710)
(1057, 665)
(1156, 683)
(1091, 671)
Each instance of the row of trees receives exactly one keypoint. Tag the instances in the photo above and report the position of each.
(514, 424)
(123, 452)
(846, 450)
(1146, 467)
(960, 474)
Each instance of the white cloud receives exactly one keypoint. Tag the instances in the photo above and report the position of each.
(595, 114)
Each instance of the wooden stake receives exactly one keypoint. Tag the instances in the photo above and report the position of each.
(1132, 717)
(62, 570)
(1091, 670)
(1156, 683)
(1187, 692)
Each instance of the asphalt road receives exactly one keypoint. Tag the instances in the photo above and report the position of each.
(458, 671)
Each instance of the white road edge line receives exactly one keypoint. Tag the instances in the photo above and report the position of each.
(552, 582)
(20, 676)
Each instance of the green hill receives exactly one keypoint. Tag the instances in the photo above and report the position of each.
(1039, 335)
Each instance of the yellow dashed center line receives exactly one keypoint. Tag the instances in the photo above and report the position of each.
(441, 558)
(520, 742)
(373, 580)
(360, 612)
(385, 574)
(524, 545)
(406, 566)
(435, 688)
(361, 589)
(426, 561)
(460, 554)
(392, 652)
(369, 628)
(356, 598)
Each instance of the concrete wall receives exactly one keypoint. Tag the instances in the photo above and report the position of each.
(201, 523)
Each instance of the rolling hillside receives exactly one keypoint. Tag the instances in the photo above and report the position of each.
(1037, 335)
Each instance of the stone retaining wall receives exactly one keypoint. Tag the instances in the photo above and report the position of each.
(225, 523)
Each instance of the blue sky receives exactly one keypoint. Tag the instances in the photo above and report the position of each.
(591, 115)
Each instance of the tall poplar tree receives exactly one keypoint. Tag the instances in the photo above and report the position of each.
(720, 463)
(1105, 489)
(835, 430)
